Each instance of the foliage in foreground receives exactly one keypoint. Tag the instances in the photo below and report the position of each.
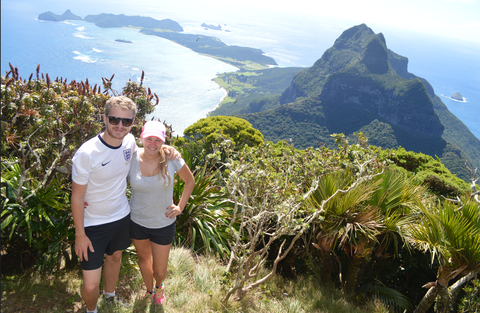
(203, 224)
(43, 123)
(429, 171)
(194, 284)
(264, 204)
(239, 131)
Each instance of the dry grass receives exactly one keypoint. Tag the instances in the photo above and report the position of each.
(194, 284)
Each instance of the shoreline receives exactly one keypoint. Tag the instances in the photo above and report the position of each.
(208, 56)
(221, 100)
(464, 100)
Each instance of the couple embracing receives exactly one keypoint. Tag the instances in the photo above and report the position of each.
(104, 219)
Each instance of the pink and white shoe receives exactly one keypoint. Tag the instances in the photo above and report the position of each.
(159, 295)
(148, 295)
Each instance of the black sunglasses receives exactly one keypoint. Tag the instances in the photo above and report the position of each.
(115, 120)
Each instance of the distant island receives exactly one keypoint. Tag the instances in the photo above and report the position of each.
(111, 20)
(457, 96)
(50, 16)
(123, 40)
(212, 26)
(241, 57)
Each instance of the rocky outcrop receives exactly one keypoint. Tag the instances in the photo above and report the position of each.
(292, 93)
(50, 16)
(375, 56)
(457, 96)
(360, 85)
(399, 64)
(209, 26)
(360, 72)
(409, 107)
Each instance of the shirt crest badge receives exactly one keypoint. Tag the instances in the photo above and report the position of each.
(127, 154)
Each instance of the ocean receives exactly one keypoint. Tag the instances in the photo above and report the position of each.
(182, 79)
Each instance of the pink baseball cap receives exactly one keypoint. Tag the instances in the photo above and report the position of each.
(154, 129)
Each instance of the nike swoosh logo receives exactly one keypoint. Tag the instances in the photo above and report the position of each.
(103, 164)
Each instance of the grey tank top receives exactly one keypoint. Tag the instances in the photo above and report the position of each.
(150, 196)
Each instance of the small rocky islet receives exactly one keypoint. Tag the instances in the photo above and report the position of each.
(457, 96)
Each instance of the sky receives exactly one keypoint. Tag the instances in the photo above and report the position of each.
(447, 18)
(458, 19)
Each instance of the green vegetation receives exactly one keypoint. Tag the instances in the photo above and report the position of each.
(194, 284)
(121, 20)
(44, 122)
(429, 171)
(251, 91)
(380, 134)
(357, 86)
(268, 227)
(243, 57)
(211, 129)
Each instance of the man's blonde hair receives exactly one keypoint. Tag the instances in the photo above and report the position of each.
(122, 102)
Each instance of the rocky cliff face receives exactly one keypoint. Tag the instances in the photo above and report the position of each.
(360, 72)
(360, 85)
(412, 110)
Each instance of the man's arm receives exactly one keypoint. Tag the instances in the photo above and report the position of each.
(82, 243)
(171, 152)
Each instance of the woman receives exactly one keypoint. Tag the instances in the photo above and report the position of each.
(153, 213)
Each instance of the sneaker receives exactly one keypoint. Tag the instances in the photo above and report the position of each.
(159, 295)
(117, 301)
(148, 295)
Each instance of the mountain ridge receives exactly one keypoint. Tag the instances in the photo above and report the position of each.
(360, 85)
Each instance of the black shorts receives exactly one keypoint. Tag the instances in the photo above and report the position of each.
(161, 236)
(106, 239)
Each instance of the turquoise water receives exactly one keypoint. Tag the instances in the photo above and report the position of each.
(183, 79)
(78, 50)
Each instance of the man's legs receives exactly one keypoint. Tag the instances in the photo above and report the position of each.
(111, 270)
(90, 287)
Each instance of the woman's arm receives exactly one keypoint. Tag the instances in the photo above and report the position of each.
(187, 176)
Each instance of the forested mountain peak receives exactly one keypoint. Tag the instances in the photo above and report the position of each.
(360, 85)
(354, 38)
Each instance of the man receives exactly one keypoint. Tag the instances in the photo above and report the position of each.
(99, 172)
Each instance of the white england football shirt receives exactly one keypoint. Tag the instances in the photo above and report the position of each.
(104, 170)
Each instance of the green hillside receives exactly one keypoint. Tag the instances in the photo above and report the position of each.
(360, 85)
(121, 20)
(253, 91)
(234, 55)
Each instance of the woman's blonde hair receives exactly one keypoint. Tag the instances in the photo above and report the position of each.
(163, 167)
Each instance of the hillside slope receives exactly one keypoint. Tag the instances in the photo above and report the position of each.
(360, 85)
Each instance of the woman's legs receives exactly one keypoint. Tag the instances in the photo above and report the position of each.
(144, 252)
(160, 262)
